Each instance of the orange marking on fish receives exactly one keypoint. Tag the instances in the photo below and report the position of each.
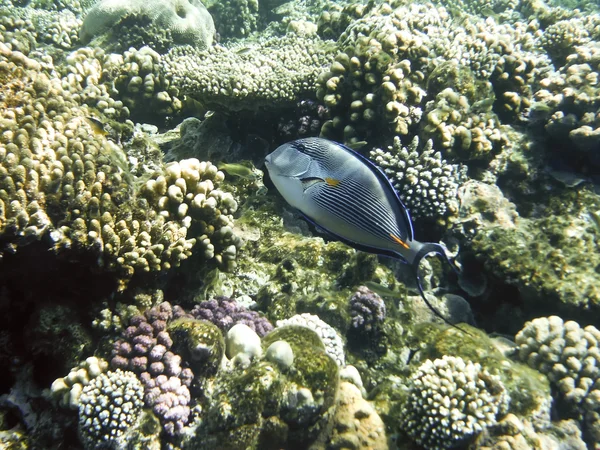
(399, 241)
(332, 182)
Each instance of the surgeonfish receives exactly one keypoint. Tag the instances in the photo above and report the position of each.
(344, 193)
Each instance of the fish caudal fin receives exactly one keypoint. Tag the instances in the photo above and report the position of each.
(425, 250)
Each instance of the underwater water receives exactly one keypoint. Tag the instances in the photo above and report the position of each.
(219, 224)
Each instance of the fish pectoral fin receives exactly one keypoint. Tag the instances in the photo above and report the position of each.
(311, 181)
(397, 240)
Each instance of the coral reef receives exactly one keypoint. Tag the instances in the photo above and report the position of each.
(109, 406)
(449, 401)
(425, 182)
(367, 310)
(474, 110)
(225, 313)
(63, 182)
(160, 24)
(334, 346)
(570, 356)
(265, 405)
(551, 258)
(271, 72)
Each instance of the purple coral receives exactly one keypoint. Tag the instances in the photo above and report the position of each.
(367, 310)
(225, 313)
(144, 348)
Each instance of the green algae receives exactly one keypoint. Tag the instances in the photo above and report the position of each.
(200, 343)
(261, 408)
(552, 259)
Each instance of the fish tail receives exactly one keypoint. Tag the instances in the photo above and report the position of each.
(426, 249)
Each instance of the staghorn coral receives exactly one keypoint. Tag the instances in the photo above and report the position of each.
(109, 406)
(449, 401)
(570, 356)
(424, 181)
(272, 72)
(165, 22)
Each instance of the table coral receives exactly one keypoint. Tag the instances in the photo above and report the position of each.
(272, 72)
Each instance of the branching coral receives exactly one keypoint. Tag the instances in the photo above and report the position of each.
(451, 400)
(425, 182)
(570, 356)
(63, 181)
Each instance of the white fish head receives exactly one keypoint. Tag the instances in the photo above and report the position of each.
(286, 167)
(287, 161)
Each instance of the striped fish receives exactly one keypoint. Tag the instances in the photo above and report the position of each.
(344, 193)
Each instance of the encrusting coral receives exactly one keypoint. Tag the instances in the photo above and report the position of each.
(334, 345)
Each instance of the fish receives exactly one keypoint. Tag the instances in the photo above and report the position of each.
(239, 170)
(96, 125)
(344, 193)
